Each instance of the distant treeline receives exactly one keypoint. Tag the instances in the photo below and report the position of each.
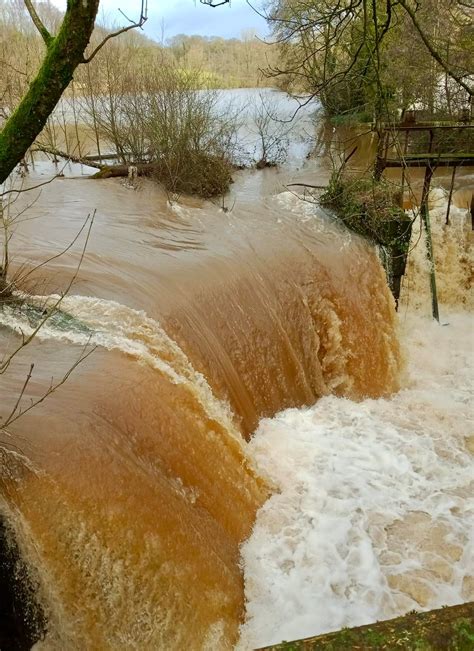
(219, 62)
(231, 63)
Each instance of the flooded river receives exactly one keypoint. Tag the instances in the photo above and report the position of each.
(131, 488)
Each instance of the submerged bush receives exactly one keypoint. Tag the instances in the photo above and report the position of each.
(373, 209)
(163, 116)
(368, 207)
(199, 173)
(190, 140)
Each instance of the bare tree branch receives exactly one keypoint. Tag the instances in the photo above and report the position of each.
(430, 47)
(33, 187)
(20, 396)
(17, 412)
(6, 361)
(38, 23)
(133, 25)
(213, 3)
(52, 151)
(9, 65)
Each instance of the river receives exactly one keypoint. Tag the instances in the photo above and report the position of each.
(131, 489)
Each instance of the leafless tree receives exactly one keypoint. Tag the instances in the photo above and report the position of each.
(65, 50)
(272, 134)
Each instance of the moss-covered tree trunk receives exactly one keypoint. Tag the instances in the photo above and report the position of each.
(64, 53)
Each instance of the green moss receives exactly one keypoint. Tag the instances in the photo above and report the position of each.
(370, 208)
(450, 629)
(64, 53)
(463, 639)
(374, 637)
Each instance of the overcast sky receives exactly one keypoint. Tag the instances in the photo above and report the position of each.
(188, 17)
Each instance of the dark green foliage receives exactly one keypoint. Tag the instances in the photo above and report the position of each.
(370, 208)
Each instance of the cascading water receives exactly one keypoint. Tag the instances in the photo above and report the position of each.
(131, 488)
(373, 513)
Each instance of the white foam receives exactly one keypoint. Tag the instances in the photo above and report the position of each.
(454, 259)
(374, 514)
(114, 326)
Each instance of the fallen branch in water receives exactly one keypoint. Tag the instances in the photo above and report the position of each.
(204, 175)
(112, 171)
(51, 151)
(100, 157)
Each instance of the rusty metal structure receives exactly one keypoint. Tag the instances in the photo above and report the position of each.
(440, 145)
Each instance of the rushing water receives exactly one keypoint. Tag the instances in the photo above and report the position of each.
(374, 511)
(131, 488)
(141, 489)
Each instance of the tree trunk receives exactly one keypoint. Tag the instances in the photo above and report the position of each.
(86, 160)
(64, 53)
(112, 171)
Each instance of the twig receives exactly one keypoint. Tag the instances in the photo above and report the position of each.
(211, 3)
(52, 388)
(20, 396)
(133, 25)
(33, 187)
(307, 185)
(6, 361)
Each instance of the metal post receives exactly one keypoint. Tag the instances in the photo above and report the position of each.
(381, 157)
(425, 216)
(450, 195)
(405, 149)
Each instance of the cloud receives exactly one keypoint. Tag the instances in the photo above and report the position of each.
(188, 17)
(173, 17)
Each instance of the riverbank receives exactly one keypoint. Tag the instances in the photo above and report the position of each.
(445, 628)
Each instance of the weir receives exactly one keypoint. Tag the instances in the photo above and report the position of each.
(216, 433)
(143, 490)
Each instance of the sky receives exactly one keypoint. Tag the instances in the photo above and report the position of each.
(170, 17)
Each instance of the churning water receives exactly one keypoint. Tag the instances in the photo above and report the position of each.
(131, 489)
(137, 487)
(373, 514)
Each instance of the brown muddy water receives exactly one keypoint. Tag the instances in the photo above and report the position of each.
(129, 490)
